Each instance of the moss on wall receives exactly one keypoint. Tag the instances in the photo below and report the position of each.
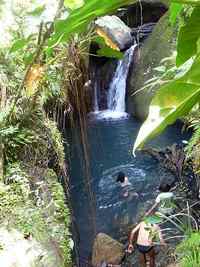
(159, 45)
(33, 206)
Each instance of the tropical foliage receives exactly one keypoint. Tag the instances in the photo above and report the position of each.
(33, 69)
(30, 76)
(177, 97)
(35, 54)
(188, 252)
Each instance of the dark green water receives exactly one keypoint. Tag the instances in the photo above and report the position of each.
(110, 145)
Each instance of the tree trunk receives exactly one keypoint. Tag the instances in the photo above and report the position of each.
(1, 161)
(3, 94)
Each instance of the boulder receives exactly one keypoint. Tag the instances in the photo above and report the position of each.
(152, 11)
(117, 34)
(159, 45)
(106, 249)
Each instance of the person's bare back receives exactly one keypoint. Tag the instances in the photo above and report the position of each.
(144, 242)
(144, 237)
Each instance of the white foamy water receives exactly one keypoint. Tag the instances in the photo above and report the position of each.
(96, 104)
(117, 91)
(108, 189)
(108, 115)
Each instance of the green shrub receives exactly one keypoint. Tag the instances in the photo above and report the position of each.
(188, 251)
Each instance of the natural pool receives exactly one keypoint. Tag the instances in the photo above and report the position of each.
(110, 151)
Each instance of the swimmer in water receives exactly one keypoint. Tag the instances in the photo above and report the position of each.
(125, 184)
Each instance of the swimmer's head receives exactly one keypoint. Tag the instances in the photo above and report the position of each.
(120, 177)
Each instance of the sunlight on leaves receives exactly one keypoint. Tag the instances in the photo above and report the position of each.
(33, 79)
(106, 51)
(109, 52)
(188, 38)
(73, 4)
(78, 19)
(37, 11)
(175, 9)
(107, 40)
(172, 101)
(188, 2)
(19, 44)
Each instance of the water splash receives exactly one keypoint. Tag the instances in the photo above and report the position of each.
(117, 90)
(96, 104)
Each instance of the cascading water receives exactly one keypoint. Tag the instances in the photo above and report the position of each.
(117, 90)
(96, 105)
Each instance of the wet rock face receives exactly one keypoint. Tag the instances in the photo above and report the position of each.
(160, 44)
(115, 30)
(106, 249)
(101, 73)
(144, 12)
(126, 26)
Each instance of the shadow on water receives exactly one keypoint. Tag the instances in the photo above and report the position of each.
(110, 145)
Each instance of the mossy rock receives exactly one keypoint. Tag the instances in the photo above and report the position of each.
(159, 45)
(34, 212)
(106, 249)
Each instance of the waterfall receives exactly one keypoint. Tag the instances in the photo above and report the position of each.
(96, 105)
(116, 104)
(117, 89)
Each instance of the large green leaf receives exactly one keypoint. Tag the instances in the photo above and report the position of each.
(188, 2)
(109, 52)
(19, 44)
(78, 19)
(73, 4)
(188, 38)
(154, 219)
(106, 51)
(175, 9)
(172, 101)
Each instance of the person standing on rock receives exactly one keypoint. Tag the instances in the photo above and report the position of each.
(164, 201)
(145, 234)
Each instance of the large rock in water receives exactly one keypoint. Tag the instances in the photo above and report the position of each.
(115, 31)
(106, 249)
(158, 46)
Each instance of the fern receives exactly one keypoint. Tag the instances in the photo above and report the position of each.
(193, 147)
(23, 128)
(13, 139)
(194, 140)
(188, 251)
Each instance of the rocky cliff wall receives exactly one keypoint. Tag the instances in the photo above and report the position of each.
(159, 45)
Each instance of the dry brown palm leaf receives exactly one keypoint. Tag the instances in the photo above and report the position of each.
(33, 79)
